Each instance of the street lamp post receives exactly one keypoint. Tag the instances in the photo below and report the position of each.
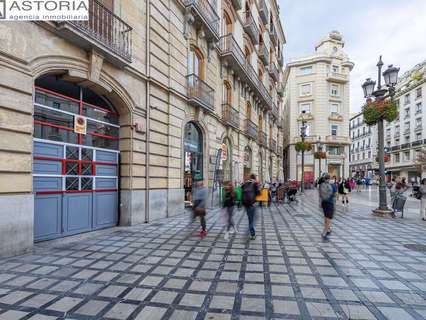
(319, 149)
(380, 94)
(303, 136)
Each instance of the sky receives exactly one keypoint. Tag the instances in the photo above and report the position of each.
(395, 29)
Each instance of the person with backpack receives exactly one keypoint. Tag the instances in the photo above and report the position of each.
(327, 193)
(343, 190)
(229, 204)
(250, 191)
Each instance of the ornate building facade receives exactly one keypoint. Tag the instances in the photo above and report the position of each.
(317, 93)
(107, 122)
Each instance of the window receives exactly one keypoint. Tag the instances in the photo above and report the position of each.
(334, 150)
(418, 108)
(407, 139)
(363, 155)
(406, 155)
(418, 93)
(304, 71)
(397, 130)
(196, 63)
(305, 107)
(334, 108)
(353, 134)
(353, 157)
(396, 157)
(418, 123)
(334, 129)
(369, 143)
(335, 68)
(407, 126)
(357, 133)
(396, 141)
(357, 156)
(305, 89)
(407, 99)
(334, 91)
(363, 130)
(407, 113)
(369, 154)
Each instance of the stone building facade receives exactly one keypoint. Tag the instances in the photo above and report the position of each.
(107, 122)
(405, 136)
(317, 92)
(363, 151)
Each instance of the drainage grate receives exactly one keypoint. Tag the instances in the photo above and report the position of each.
(416, 247)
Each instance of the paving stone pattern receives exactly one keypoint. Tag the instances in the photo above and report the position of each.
(165, 271)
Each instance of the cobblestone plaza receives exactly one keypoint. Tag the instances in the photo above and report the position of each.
(163, 270)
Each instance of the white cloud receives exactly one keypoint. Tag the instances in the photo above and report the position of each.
(396, 29)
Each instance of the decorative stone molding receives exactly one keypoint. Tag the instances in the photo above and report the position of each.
(95, 66)
(334, 116)
(305, 117)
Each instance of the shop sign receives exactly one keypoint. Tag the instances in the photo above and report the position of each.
(80, 124)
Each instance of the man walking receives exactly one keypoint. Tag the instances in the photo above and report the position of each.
(250, 191)
(199, 199)
(327, 192)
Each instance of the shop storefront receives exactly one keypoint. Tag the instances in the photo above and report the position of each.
(75, 159)
(193, 157)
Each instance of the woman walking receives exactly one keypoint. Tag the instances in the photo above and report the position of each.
(422, 191)
(343, 191)
(229, 204)
(200, 194)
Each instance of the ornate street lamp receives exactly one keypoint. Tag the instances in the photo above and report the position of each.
(303, 136)
(375, 111)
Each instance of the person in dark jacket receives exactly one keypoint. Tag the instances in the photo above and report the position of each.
(229, 204)
(250, 191)
(199, 199)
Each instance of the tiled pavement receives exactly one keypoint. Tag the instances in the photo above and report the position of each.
(164, 271)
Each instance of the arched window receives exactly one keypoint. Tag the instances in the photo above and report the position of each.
(193, 147)
(227, 26)
(227, 93)
(248, 111)
(196, 62)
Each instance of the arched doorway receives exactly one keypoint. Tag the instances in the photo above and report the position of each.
(76, 159)
(193, 155)
(247, 162)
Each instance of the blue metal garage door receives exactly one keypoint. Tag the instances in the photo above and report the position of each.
(75, 175)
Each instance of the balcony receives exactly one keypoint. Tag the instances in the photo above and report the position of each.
(397, 134)
(250, 27)
(310, 139)
(407, 131)
(337, 77)
(335, 157)
(273, 34)
(263, 11)
(405, 145)
(230, 116)
(418, 128)
(233, 56)
(274, 111)
(238, 4)
(273, 71)
(334, 116)
(264, 54)
(417, 143)
(104, 31)
(206, 17)
(273, 145)
(338, 139)
(262, 138)
(251, 129)
(199, 93)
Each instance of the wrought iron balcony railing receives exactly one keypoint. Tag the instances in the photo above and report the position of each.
(230, 115)
(264, 53)
(250, 27)
(273, 34)
(234, 57)
(199, 93)
(238, 4)
(273, 71)
(205, 14)
(251, 129)
(262, 139)
(263, 11)
(104, 31)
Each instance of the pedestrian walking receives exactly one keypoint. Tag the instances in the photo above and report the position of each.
(327, 192)
(250, 191)
(199, 200)
(229, 205)
(358, 184)
(422, 191)
(343, 190)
